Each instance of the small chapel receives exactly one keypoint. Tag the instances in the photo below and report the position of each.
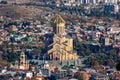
(22, 64)
(62, 46)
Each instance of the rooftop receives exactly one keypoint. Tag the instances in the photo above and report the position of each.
(58, 19)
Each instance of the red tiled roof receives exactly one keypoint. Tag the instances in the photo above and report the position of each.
(39, 77)
(19, 70)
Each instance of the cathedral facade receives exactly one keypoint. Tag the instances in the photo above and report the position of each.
(62, 47)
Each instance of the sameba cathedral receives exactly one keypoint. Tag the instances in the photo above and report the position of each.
(62, 46)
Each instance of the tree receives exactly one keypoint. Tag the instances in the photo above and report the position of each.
(3, 2)
(87, 51)
(111, 62)
(118, 66)
(12, 57)
(4, 77)
(65, 67)
(78, 76)
(52, 77)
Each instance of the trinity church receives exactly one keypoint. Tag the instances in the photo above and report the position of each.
(62, 47)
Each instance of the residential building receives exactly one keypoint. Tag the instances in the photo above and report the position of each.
(85, 75)
(98, 76)
(116, 75)
(111, 8)
(106, 41)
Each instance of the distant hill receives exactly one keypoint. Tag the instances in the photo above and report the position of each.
(21, 1)
(20, 11)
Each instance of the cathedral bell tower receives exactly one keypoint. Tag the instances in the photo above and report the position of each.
(59, 27)
(24, 64)
(22, 60)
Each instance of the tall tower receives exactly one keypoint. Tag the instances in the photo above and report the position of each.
(59, 25)
(22, 60)
(24, 64)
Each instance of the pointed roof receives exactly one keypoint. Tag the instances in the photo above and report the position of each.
(59, 19)
(22, 53)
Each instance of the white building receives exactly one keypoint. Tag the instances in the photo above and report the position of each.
(29, 74)
(111, 1)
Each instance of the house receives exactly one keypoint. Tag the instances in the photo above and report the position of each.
(116, 75)
(98, 76)
(13, 28)
(42, 73)
(89, 70)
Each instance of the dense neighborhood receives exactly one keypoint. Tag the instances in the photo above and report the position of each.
(59, 40)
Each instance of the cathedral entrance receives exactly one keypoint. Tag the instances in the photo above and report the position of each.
(57, 58)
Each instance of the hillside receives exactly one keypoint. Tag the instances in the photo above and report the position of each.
(20, 11)
(21, 1)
